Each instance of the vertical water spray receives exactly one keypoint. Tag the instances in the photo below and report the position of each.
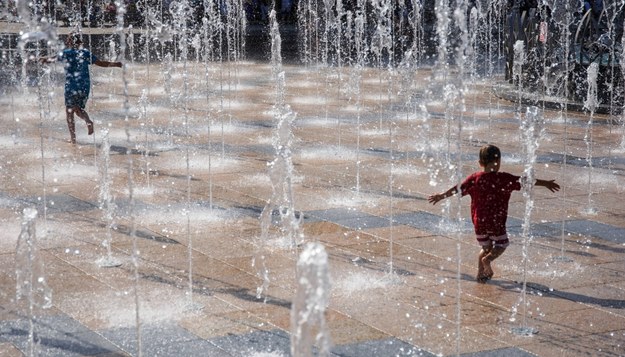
(181, 11)
(590, 104)
(24, 14)
(147, 37)
(382, 46)
(121, 11)
(310, 21)
(442, 33)
(168, 71)
(208, 43)
(447, 85)
(406, 78)
(130, 41)
(412, 28)
(220, 31)
(11, 81)
(622, 66)
(332, 48)
(44, 83)
(517, 71)
(34, 35)
(431, 155)
(29, 274)
(312, 296)
(492, 46)
(390, 190)
(360, 51)
(531, 131)
(441, 162)
(235, 22)
(143, 120)
(463, 52)
(565, 38)
(280, 169)
(472, 50)
(326, 21)
(107, 205)
(612, 11)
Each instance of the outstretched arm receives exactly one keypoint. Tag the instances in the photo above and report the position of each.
(51, 59)
(107, 64)
(433, 199)
(550, 184)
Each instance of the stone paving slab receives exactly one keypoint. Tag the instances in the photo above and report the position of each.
(63, 336)
(389, 347)
(504, 352)
(431, 222)
(162, 340)
(57, 335)
(271, 342)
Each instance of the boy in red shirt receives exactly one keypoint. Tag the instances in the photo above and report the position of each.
(490, 192)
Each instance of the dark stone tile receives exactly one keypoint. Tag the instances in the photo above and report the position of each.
(364, 222)
(186, 348)
(515, 226)
(349, 218)
(430, 222)
(503, 352)
(591, 228)
(275, 341)
(57, 335)
(336, 214)
(155, 339)
(378, 348)
(60, 204)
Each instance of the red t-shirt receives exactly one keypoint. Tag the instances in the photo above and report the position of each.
(490, 193)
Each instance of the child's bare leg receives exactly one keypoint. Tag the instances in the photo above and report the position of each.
(488, 258)
(69, 114)
(84, 116)
(481, 277)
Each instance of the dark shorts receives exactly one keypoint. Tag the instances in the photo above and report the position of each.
(76, 99)
(497, 241)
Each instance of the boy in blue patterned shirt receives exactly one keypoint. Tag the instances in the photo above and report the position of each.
(77, 80)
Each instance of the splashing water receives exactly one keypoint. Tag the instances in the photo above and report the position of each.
(29, 274)
(531, 131)
(280, 169)
(106, 202)
(308, 324)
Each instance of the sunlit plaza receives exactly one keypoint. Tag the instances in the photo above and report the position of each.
(258, 207)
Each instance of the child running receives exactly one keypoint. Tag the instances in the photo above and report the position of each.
(77, 81)
(490, 192)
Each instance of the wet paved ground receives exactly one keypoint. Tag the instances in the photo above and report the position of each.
(195, 181)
